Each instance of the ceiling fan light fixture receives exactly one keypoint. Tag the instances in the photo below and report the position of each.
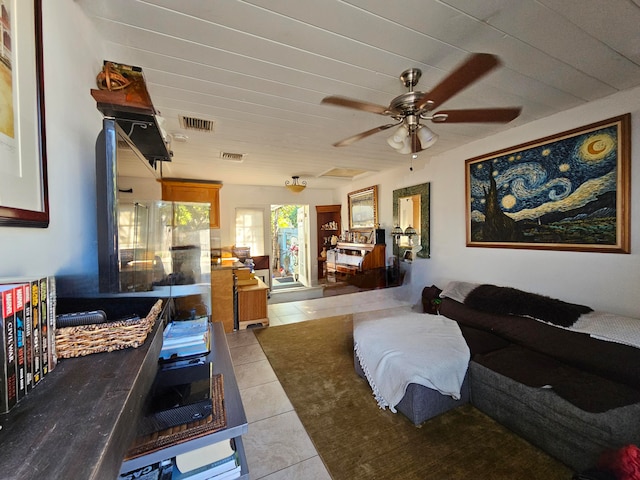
(393, 144)
(400, 139)
(426, 136)
(406, 146)
(401, 133)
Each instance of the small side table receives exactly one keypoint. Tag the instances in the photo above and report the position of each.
(252, 305)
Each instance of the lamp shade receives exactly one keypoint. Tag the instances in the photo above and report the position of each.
(396, 230)
(294, 185)
(426, 136)
(410, 231)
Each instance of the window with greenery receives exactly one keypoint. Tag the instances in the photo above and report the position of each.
(250, 229)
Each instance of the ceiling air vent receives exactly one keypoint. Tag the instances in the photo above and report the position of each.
(199, 124)
(232, 157)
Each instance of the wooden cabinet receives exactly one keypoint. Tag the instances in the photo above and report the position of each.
(252, 305)
(222, 298)
(328, 224)
(194, 191)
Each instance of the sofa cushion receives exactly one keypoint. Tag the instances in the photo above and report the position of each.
(586, 391)
(482, 341)
(540, 416)
(617, 362)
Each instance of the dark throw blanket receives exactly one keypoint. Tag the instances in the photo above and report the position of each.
(511, 301)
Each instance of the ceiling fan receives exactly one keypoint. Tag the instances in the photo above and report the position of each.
(413, 106)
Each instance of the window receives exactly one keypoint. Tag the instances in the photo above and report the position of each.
(250, 229)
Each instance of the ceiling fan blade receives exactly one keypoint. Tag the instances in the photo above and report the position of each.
(476, 66)
(360, 136)
(480, 115)
(356, 104)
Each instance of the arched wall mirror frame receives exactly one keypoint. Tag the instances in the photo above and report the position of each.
(410, 196)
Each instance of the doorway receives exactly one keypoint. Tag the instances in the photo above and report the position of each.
(290, 246)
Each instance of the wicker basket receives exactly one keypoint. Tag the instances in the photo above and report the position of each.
(105, 337)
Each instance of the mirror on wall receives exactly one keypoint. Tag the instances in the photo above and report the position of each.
(411, 210)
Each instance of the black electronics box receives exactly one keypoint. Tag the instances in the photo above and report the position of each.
(178, 397)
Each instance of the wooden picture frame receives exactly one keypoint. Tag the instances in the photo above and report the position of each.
(24, 198)
(363, 209)
(570, 191)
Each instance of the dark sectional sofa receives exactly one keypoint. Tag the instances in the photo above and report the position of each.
(569, 394)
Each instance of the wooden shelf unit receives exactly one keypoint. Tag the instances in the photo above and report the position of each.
(76, 423)
(326, 216)
(237, 424)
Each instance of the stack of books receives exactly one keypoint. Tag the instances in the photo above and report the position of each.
(27, 336)
(185, 339)
(218, 461)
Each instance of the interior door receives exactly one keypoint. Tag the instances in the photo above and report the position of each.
(303, 244)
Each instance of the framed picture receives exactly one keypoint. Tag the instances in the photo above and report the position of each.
(411, 208)
(363, 209)
(23, 161)
(569, 191)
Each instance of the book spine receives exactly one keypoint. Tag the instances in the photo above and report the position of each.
(52, 303)
(28, 337)
(160, 471)
(21, 357)
(36, 334)
(44, 327)
(9, 396)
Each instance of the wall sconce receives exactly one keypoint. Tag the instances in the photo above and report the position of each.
(294, 186)
(410, 232)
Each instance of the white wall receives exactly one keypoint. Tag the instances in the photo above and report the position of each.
(72, 58)
(604, 281)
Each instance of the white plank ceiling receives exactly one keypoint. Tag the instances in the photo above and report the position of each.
(259, 69)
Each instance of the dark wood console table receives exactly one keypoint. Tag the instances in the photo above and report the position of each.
(76, 423)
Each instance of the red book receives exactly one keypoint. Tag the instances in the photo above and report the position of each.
(8, 382)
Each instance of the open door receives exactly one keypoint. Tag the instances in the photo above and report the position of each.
(303, 245)
(290, 246)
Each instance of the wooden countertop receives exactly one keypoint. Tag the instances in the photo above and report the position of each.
(258, 286)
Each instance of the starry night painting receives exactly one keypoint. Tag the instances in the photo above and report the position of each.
(566, 192)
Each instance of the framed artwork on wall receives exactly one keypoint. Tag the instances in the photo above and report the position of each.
(569, 191)
(23, 161)
(363, 209)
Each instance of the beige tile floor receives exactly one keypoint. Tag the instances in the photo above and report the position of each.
(277, 445)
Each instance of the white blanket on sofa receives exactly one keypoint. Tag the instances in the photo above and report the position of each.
(411, 347)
